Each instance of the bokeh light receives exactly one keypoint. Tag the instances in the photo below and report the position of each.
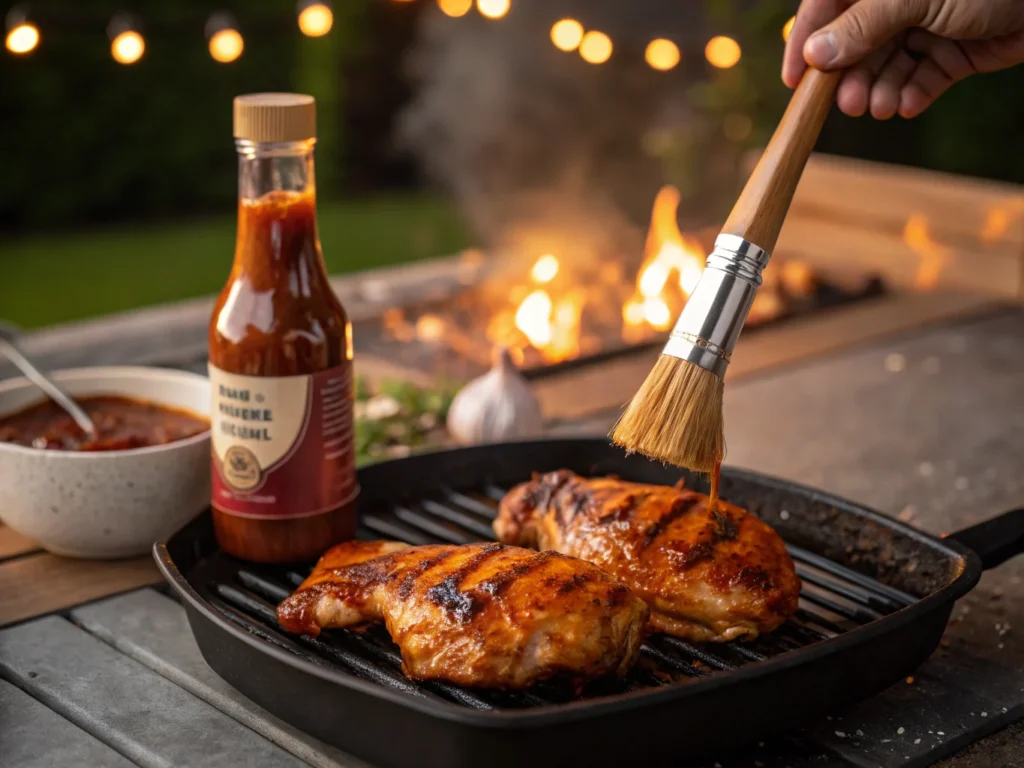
(23, 39)
(226, 45)
(455, 8)
(316, 20)
(737, 126)
(567, 34)
(722, 52)
(493, 9)
(127, 47)
(596, 47)
(662, 54)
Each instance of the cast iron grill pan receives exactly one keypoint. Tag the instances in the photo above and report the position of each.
(876, 597)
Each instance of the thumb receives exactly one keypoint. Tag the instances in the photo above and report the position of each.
(863, 28)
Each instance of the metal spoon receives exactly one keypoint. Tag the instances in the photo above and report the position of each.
(10, 350)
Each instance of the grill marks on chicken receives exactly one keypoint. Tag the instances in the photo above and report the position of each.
(708, 574)
(485, 615)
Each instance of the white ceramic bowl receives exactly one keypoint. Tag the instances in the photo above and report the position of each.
(106, 504)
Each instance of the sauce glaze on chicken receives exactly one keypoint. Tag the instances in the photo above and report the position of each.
(485, 615)
(710, 573)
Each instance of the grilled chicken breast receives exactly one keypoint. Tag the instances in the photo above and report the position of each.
(708, 575)
(484, 615)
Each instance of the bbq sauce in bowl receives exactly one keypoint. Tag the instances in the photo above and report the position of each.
(122, 423)
(284, 481)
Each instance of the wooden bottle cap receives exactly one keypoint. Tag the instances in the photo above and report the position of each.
(275, 117)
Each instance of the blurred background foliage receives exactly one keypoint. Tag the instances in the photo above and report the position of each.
(85, 137)
(88, 140)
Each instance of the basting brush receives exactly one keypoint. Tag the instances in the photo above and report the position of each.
(676, 415)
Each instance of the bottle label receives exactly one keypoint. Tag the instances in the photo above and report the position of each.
(282, 446)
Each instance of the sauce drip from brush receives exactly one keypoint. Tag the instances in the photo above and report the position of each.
(715, 474)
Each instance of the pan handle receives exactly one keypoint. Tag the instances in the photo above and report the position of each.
(995, 540)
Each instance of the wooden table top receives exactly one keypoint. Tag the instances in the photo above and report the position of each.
(35, 583)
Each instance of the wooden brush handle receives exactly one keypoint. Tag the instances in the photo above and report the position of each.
(764, 202)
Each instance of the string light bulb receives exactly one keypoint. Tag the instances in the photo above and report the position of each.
(722, 52)
(567, 34)
(126, 42)
(455, 8)
(22, 34)
(493, 9)
(662, 54)
(226, 43)
(596, 47)
(787, 28)
(315, 17)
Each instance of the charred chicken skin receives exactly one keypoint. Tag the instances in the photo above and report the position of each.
(708, 575)
(485, 615)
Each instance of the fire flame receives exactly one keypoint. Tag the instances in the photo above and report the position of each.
(545, 270)
(547, 313)
(666, 252)
(932, 255)
(534, 318)
(998, 219)
(551, 326)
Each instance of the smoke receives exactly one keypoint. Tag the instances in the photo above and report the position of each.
(542, 151)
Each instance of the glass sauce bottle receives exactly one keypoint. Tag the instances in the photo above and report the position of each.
(284, 482)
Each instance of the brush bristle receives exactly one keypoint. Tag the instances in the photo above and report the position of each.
(676, 417)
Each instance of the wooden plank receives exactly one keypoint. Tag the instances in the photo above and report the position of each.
(32, 736)
(884, 195)
(13, 543)
(601, 388)
(830, 245)
(154, 631)
(40, 584)
(140, 714)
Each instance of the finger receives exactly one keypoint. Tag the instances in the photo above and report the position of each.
(945, 63)
(853, 92)
(863, 28)
(855, 88)
(885, 93)
(996, 54)
(811, 16)
(926, 84)
(949, 55)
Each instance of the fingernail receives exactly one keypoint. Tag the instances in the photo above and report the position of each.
(821, 49)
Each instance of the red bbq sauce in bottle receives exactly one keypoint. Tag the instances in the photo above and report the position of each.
(284, 481)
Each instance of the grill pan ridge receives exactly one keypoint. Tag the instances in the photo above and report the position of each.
(876, 598)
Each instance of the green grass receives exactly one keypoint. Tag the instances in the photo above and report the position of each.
(57, 278)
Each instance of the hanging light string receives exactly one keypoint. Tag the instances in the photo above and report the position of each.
(315, 18)
(23, 23)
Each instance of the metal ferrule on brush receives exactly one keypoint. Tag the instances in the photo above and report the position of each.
(713, 317)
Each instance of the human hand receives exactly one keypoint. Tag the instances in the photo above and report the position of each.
(901, 55)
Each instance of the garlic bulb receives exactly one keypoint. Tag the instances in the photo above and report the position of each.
(496, 406)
